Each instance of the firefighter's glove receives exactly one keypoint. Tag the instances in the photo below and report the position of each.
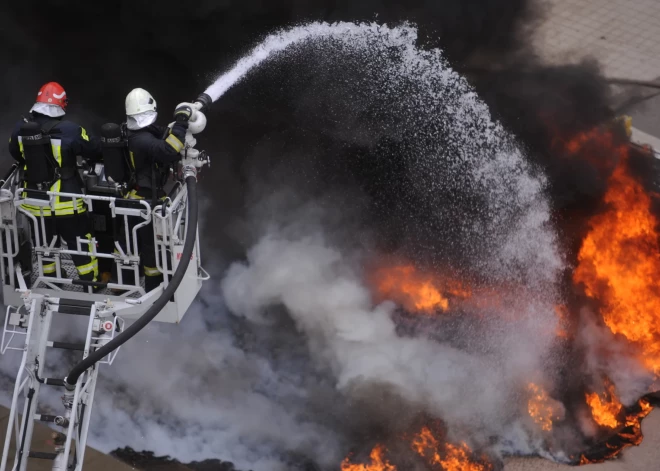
(182, 114)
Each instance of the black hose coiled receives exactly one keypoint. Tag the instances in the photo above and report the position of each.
(159, 304)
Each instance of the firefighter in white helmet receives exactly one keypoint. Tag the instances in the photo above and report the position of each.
(153, 151)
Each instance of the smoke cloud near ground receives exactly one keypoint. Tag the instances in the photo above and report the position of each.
(375, 171)
(435, 182)
(221, 392)
(298, 267)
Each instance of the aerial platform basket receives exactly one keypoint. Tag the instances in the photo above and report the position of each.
(38, 298)
(24, 242)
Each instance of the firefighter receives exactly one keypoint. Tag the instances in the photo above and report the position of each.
(47, 146)
(153, 151)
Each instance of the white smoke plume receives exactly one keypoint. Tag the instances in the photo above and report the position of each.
(200, 394)
(297, 266)
(207, 388)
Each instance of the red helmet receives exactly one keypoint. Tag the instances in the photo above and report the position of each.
(53, 94)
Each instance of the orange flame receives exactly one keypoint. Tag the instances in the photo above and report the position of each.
(634, 421)
(605, 408)
(541, 408)
(631, 434)
(378, 462)
(596, 140)
(456, 457)
(619, 264)
(425, 444)
(440, 457)
(599, 146)
(417, 291)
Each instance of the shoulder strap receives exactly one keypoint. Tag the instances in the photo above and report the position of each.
(128, 160)
(49, 126)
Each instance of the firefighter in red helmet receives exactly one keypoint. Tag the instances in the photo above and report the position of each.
(47, 146)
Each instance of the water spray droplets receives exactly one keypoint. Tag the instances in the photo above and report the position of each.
(466, 188)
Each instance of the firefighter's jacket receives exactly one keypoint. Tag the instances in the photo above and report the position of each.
(68, 140)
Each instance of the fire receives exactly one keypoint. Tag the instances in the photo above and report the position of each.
(417, 291)
(599, 146)
(619, 264)
(634, 421)
(425, 444)
(541, 407)
(457, 459)
(438, 456)
(453, 458)
(597, 140)
(619, 267)
(630, 435)
(605, 408)
(378, 462)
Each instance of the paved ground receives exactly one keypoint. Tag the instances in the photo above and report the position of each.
(623, 35)
(646, 115)
(94, 460)
(643, 458)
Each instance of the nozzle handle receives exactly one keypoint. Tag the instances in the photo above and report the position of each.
(205, 101)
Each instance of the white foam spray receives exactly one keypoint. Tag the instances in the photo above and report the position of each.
(296, 263)
(281, 40)
(274, 43)
(442, 104)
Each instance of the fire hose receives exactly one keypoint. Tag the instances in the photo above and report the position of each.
(190, 176)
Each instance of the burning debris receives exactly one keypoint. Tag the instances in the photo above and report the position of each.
(606, 408)
(417, 291)
(619, 263)
(617, 272)
(431, 453)
(446, 456)
(628, 433)
(556, 374)
(378, 463)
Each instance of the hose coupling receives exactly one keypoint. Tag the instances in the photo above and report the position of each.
(189, 171)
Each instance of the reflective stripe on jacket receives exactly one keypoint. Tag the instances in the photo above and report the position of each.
(153, 150)
(68, 140)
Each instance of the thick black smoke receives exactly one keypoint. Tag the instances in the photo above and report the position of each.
(174, 50)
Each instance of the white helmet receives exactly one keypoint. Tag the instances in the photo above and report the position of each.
(138, 101)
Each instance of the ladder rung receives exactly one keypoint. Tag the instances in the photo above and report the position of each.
(68, 346)
(74, 311)
(87, 284)
(76, 302)
(43, 455)
(75, 307)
